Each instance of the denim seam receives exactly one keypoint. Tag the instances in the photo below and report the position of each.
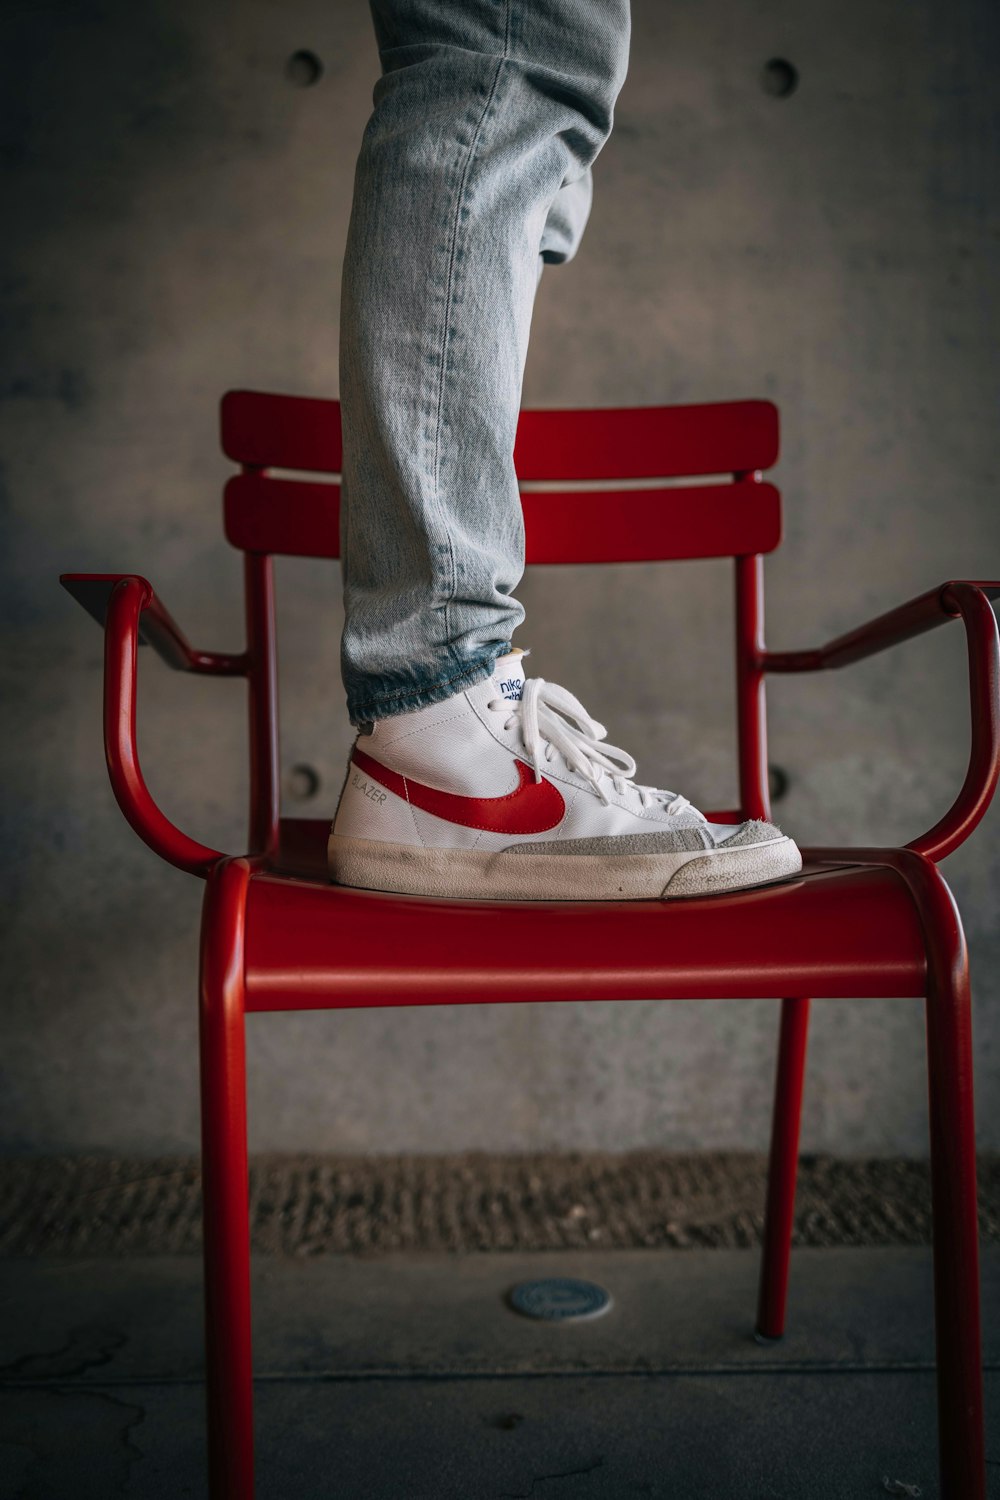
(446, 331)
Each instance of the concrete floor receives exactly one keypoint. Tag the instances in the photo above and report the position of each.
(408, 1378)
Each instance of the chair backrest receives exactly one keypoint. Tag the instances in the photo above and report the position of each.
(578, 472)
(588, 462)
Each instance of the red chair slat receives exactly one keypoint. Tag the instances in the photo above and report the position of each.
(659, 525)
(266, 431)
(289, 517)
(643, 442)
(647, 442)
(293, 518)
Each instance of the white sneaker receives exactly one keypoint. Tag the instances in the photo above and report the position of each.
(509, 792)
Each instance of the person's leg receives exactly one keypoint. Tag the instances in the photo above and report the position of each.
(467, 779)
(474, 171)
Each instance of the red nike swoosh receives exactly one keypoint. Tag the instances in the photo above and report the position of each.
(533, 807)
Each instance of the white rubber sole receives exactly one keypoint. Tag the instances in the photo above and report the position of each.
(471, 875)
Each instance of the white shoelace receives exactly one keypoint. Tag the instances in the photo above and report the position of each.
(551, 720)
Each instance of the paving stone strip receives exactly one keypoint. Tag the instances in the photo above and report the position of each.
(316, 1205)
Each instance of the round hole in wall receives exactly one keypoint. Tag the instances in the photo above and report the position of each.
(779, 78)
(302, 782)
(777, 782)
(303, 69)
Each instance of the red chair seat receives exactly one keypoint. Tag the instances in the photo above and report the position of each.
(836, 930)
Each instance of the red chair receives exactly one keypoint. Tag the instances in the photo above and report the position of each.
(277, 936)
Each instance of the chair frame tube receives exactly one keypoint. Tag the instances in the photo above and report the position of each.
(262, 676)
(225, 1184)
(783, 1166)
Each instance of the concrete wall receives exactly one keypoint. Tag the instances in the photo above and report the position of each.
(176, 212)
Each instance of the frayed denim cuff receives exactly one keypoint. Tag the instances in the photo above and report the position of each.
(374, 698)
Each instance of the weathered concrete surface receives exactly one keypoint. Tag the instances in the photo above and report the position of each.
(115, 1320)
(180, 215)
(408, 1376)
(797, 1437)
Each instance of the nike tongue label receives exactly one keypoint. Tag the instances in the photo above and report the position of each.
(511, 688)
(508, 674)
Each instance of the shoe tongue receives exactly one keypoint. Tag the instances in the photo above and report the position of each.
(508, 675)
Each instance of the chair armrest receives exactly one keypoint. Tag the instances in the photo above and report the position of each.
(959, 599)
(158, 627)
(130, 612)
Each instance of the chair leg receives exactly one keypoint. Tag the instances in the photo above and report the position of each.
(956, 1238)
(229, 1372)
(783, 1168)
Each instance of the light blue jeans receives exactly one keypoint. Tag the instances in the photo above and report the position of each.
(474, 171)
